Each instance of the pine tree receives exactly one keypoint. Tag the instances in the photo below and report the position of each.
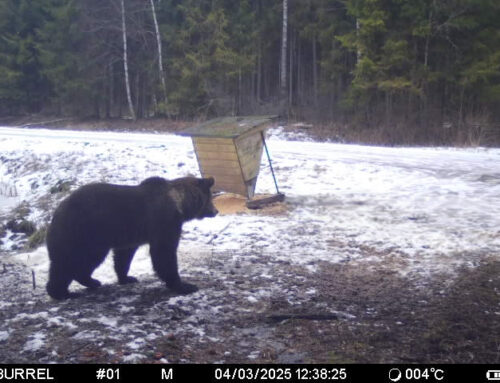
(22, 86)
(60, 45)
(399, 64)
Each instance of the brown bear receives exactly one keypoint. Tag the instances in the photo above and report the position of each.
(99, 217)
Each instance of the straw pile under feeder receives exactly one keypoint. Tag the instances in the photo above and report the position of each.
(230, 150)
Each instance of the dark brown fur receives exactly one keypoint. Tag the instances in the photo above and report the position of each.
(99, 217)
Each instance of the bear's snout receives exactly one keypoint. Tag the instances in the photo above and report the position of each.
(213, 212)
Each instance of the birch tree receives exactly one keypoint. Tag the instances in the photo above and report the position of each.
(125, 62)
(160, 57)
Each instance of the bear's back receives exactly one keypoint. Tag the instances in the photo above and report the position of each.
(101, 213)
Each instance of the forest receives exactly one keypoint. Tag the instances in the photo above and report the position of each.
(418, 71)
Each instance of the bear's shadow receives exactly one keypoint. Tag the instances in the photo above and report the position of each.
(143, 293)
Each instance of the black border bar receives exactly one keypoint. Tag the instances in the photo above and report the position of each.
(225, 373)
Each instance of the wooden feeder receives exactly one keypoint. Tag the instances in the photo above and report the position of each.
(230, 150)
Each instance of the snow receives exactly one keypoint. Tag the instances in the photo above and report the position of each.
(22, 316)
(133, 358)
(419, 211)
(111, 322)
(61, 322)
(4, 335)
(7, 203)
(35, 342)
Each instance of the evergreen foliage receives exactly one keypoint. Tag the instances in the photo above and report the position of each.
(366, 62)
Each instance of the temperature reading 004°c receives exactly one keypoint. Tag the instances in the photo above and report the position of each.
(416, 374)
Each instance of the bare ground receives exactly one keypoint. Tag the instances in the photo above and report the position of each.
(341, 313)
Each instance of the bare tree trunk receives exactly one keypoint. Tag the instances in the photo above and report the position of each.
(160, 58)
(358, 52)
(240, 90)
(299, 96)
(315, 70)
(138, 96)
(108, 91)
(125, 62)
(428, 37)
(283, 72)
(290, 74)
(259, 73)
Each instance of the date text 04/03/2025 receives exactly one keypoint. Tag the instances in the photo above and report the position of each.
(269, 373)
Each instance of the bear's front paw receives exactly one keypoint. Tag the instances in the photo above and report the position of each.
(184, 288)
(66, 295)
(127, 280)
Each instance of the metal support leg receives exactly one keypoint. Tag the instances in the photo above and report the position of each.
(270, 162)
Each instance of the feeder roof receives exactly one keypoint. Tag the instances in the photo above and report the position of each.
(228, 127)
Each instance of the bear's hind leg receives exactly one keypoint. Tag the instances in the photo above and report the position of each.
(123, 258)
(89, 260)
(88, 281)
(59, 281)
(84, 277)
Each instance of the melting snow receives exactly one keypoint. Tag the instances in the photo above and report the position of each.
(4, 335)
(423, 210)
(35, 342)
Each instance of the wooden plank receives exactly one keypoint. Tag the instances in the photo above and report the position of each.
(230, 150)
(251, 167)
(259, 203)
(213, 140)
(223, 164)
(232, 183)
(216, 156)
(255, 132)
(225, 179)
(215, 147)
(228, 127)
(229, 186)
(238, 188)
(249, 150)
(220, 171)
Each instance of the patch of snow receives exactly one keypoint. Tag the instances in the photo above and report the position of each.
(133, 358)
(151, 337)
(125, 309)
(61, 322)
(44, 315)
(420, 211)
(252, 299)
(176, 300)
(5, 305)
(110, 322)
(254, 355)
(87, 335)
(136, 344)
(4, 335)
(35, 342)
(281, 133)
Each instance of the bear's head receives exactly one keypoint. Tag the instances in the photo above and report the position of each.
(208, 209)
(193, 197)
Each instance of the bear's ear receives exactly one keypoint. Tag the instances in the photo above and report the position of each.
(210, 181)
